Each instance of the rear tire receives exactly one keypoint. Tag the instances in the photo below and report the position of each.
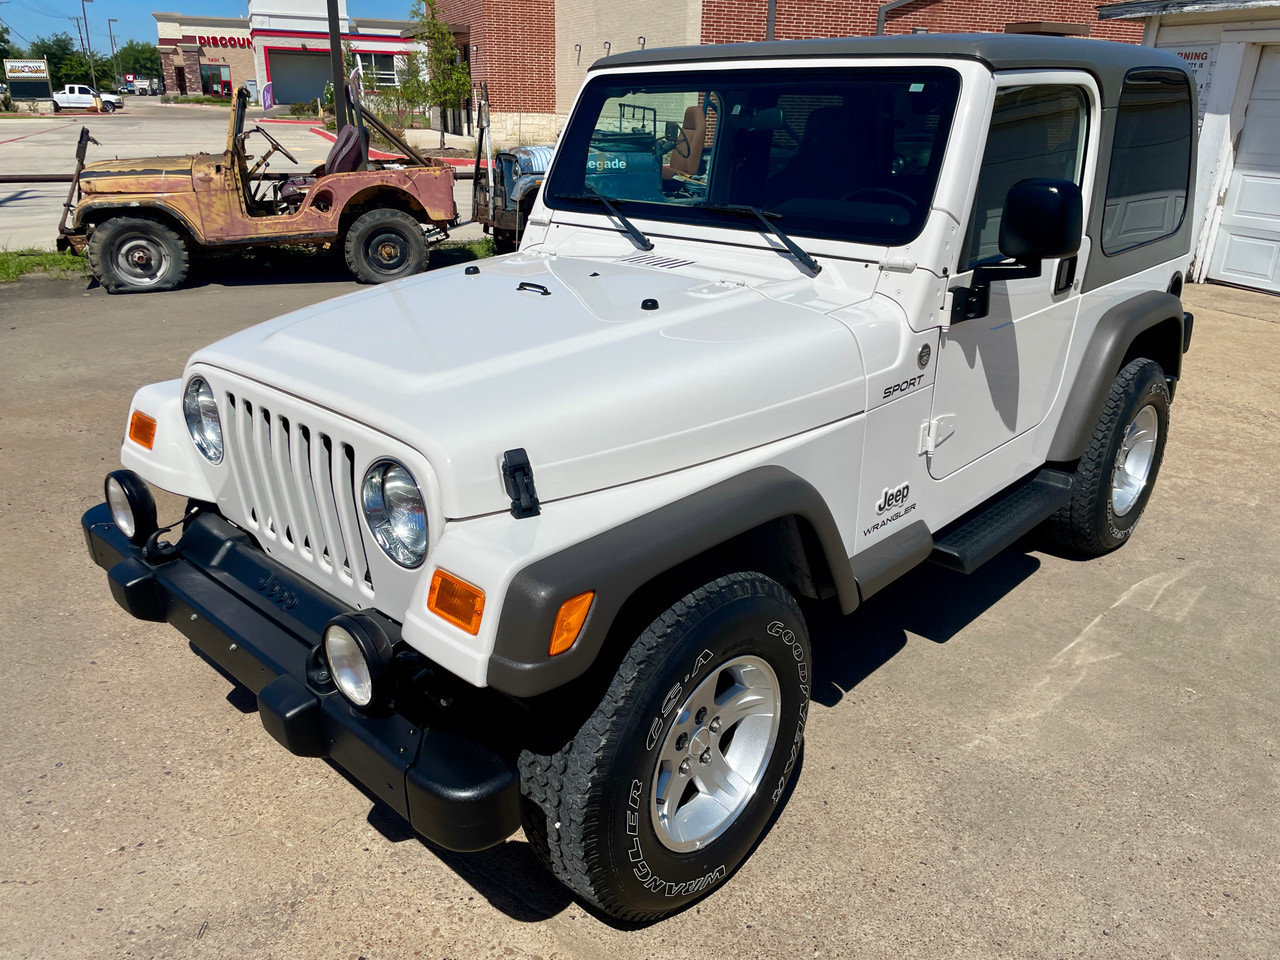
(132, 255)
(1114, 478)
(667, 787)
(384, 245)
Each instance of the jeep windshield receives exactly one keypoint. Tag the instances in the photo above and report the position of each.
(849, 153)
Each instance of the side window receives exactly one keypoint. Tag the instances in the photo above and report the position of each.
(1150, 160)
(1036, 131)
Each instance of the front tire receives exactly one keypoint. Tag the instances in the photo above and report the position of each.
(669, 784)
(385, 245)
(132, 255)
(1115, 477)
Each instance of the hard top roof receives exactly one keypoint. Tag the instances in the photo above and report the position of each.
(1107, 60)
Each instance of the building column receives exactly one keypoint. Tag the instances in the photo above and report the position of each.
(191, 67)
(168, 67)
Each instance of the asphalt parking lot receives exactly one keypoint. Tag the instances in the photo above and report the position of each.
(1046, 759)
(29, 213)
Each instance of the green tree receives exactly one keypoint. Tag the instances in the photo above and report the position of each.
(448, 80)
(59, 50)
(141, 59)
(7, 50)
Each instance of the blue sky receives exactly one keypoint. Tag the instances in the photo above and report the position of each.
(28, 19)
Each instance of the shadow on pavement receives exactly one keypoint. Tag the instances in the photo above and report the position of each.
(930, 602)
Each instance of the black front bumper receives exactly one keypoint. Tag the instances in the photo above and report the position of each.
(261, 624)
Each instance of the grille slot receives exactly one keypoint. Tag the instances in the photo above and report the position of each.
(297, 485)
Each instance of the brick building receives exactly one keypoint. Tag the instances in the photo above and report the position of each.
(534, 54)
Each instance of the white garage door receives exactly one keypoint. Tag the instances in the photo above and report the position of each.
(1247, 250)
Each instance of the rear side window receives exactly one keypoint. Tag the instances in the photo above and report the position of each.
(1150, 160)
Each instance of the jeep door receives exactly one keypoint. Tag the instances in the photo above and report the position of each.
(998, 374)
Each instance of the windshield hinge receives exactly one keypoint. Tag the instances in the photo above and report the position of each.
(934, 432)
(517, 477)
(898, 265)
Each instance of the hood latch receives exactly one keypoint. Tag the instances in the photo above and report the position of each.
(517, 477)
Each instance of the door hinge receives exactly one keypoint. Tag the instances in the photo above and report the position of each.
(934, 432)
(517, 477)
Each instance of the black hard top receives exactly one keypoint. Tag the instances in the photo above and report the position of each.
(1107, 60)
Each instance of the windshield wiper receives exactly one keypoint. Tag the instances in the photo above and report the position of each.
(641, 241)
(742, 209)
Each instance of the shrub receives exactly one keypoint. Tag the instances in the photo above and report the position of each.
(305, 109)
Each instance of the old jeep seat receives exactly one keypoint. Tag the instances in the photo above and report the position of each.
(345, 156)
(687, 156)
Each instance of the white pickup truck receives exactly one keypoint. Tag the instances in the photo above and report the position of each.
(521, 543)
(80, 96)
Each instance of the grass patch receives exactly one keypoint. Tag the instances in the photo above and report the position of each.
(452, 252)
(15, 263)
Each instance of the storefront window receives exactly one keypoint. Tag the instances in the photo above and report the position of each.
(379, 69)
(215, 80)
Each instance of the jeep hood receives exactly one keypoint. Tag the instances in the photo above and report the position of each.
(145, 175)
(604, 372)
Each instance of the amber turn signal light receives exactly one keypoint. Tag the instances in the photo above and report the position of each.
(142, 429)
(456, 601)
(573, 612)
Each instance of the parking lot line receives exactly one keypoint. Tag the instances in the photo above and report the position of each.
(37, 133)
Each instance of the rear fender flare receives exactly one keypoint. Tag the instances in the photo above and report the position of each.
(1108, 351)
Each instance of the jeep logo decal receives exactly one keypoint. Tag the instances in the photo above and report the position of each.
(893, 498)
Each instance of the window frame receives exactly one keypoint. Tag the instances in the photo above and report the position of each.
(1086, 149)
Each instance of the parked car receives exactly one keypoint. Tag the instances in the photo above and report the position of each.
(140, 220)
(536, 559)
(505, 186)
(81, 96)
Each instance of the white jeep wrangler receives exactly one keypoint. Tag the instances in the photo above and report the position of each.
(519, 544)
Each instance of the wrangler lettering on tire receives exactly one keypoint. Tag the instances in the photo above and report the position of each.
(670, 782)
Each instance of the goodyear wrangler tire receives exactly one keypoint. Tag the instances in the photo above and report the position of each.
(1115, 477)
(668, 785)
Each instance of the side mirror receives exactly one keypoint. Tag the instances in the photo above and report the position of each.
(1042, 220)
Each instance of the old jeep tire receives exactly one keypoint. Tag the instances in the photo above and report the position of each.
(1114, 478)
(384, 245)
(611, 812)
(134, 255)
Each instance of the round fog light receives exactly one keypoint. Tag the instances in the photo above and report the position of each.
(133, 508)
(359, 656)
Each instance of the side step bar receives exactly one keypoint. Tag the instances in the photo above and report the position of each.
(977, 537)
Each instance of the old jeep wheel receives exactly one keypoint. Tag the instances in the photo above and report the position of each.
(132, 255)
(669, 784)
(1115, 477)
(385, 245)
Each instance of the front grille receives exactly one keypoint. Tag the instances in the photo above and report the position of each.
(297, 489)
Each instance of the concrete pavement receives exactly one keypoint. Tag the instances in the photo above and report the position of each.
(1046, 759)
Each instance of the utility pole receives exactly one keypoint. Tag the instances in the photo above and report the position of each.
(114, 62)
(93, 75)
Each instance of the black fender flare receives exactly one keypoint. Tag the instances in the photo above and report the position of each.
(619, 561)
(1104, 355)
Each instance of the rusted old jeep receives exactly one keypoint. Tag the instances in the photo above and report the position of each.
(140, 220)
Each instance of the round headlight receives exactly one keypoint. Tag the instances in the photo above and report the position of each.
(201, 412)
(359, 656)
(396, 513)
(133, 508)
